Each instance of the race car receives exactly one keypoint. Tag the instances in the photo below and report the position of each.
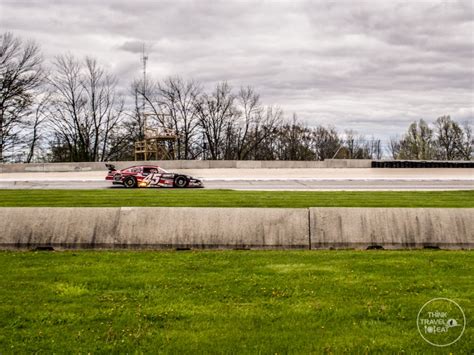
(149, 176)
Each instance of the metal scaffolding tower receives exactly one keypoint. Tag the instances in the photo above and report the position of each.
(158, 144)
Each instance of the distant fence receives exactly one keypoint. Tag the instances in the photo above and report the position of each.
(236, 228)
(421, 164)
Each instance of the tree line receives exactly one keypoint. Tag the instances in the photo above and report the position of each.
(72, 110)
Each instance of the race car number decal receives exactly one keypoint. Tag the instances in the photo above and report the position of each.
(155, 179)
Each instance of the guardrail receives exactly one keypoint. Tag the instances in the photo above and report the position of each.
(236, 228)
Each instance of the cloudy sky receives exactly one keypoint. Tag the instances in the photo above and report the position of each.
(372, 66)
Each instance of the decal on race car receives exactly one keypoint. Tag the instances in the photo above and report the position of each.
(156, 180)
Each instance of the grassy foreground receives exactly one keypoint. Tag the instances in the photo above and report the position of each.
(231, 198)
(227, 301)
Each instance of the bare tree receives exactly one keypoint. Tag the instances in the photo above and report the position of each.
(177, 99)
(356, 146)
(68, 107)
(394, 147)
(253, 123)
(325, 142)
(215, 113)
(85, 108)
(104, 108)
(250, 110)
(295, 141)
(375, 150)
(265, 128)
(39, 116)
(20, 76)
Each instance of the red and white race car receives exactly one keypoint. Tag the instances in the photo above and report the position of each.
(149, 176)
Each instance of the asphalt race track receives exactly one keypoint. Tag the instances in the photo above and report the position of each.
(269, 179)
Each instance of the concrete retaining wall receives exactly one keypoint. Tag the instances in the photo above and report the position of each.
(187, 164)
(133, 227)
(392, 228)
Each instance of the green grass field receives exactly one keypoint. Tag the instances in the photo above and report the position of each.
(230, 198)
(228, 301)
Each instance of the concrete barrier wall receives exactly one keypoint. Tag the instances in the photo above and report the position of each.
(188, 164)
(134, 227)
(268, 228)
(392, 228)
(228, 164)
(348, 163)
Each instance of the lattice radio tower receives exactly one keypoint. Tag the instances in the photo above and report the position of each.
(144, 60)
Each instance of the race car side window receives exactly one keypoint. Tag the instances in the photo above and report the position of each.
(148, 170)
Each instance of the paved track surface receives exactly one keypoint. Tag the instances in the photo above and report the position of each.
(270, 179)
(264, 185)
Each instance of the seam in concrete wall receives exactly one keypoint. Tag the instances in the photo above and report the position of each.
(309, 229)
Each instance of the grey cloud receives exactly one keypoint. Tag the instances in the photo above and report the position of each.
(133, 46)
(365, 65)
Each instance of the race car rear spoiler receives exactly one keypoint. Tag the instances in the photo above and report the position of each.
(111, 167)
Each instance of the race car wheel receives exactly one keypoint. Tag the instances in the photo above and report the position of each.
(180, 181)
(130, 182)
